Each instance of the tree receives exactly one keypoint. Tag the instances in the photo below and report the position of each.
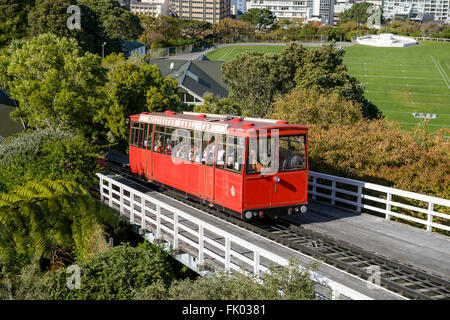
(115, 274)
(13, 19)
(307, 106)
(323, 70)
(56, 86)
(357, 13)
(262, 19)
(231, 28)
(132, 86)
(50, 16)
(118, 22)
(256, 87)
(219, 106)
(284, 283)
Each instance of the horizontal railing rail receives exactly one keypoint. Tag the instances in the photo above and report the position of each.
(360, 196)
(201, 239)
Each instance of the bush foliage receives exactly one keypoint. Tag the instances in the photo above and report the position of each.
(48, 154)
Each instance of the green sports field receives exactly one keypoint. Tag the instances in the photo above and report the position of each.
(399, 81)
(231, 52)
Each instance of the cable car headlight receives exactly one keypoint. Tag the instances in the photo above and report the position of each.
(276, 179)
(248, 215)
(303, 209)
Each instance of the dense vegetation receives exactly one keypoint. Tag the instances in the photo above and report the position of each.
(73, 103)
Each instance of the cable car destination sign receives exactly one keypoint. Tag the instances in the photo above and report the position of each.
(219, 128)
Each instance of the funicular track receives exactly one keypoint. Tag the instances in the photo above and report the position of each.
(397, 277)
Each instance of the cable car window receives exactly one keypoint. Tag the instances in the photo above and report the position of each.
(292, 153)
(230, 154)
(195, 155)
(138, 133)
(148, 139)
(159, 139)
(169, 143)
(261, 155)
(182, 143)
(220, 156)
(208, 148)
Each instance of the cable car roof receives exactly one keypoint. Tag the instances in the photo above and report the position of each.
(215, 123)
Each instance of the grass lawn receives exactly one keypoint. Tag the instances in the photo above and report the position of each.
(231, 52)
(399, 81)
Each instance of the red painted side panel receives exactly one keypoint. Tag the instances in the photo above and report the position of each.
(257, 191)
(292, 188)
(228, 191)
(138, 160)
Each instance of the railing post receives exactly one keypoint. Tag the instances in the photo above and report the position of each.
(256, 261)
(333, 192)
(430, 216)
(388, 206)
(175, 230)
(227, 253)
(101, 189)
(110, 189)
(201, 257)
(131, 206)
(359, 199)
(158, 221)
(314, 187)
(142, 212)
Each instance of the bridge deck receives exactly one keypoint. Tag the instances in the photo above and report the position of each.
(328, 271)
(406, 244)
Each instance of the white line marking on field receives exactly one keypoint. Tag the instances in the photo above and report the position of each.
(226, 54)
(395, 77)
(442, 72)
(412, 102)
(410, 93)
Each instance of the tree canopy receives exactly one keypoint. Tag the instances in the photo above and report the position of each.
(357, 13)
(13, 19)
(56, 86)
(133, 86)
(268, 76)
(262, 19)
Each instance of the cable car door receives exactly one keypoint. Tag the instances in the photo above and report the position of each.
(207, 171)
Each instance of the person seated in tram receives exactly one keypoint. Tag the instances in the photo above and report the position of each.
(158, 147)
(169, 147)
(220, 158)
(253, 166)
(293, 160)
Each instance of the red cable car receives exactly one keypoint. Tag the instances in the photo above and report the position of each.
(244, 166)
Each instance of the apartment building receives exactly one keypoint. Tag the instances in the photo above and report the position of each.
(283, 8)
(151, 7)
(438, 8)
(317, 10)
(203, 10)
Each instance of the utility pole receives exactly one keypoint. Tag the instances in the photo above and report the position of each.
(103, 50)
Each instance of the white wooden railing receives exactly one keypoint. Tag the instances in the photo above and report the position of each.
(359, 195)
(201, 239)
(432, 39)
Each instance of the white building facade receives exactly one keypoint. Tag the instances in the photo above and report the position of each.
(283, 8)
(151, 7)
(438, 8)
(317, 10)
